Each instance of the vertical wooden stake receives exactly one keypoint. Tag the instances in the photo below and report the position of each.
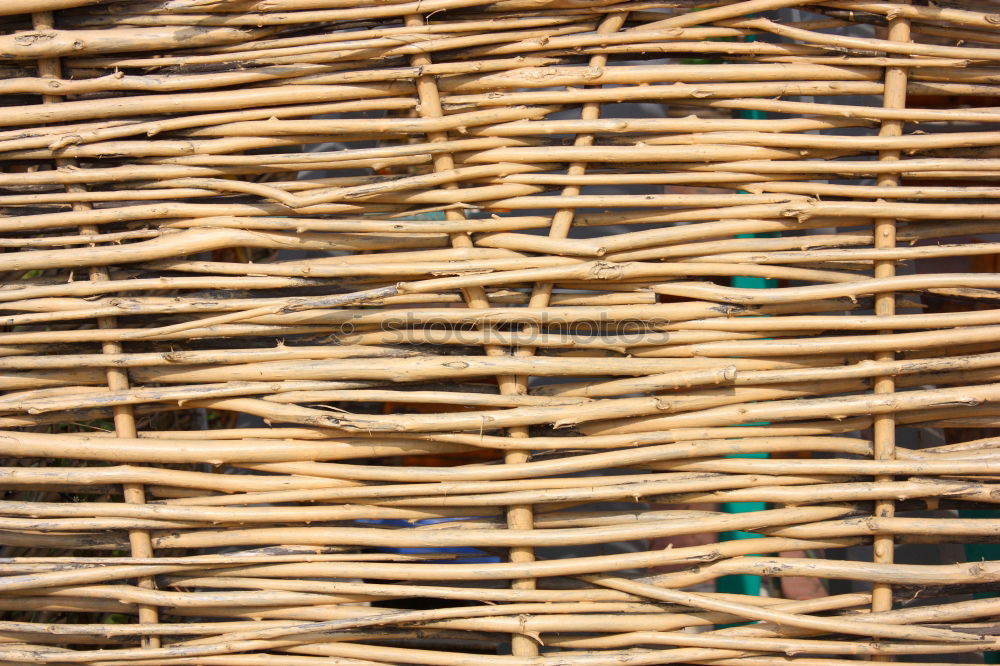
(117, 378)
(884, 425)
(518, 517)
(522, 517)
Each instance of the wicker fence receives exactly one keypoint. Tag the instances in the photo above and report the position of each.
(456, 332)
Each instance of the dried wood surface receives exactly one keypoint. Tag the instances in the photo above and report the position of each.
(295, 290)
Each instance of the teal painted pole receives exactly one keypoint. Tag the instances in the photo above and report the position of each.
(745, 583)
(979, 552)
(741, 583)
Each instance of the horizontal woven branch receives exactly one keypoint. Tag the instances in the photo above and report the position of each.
(459, 332)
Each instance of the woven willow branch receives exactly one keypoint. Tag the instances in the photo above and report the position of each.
(438, 332)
